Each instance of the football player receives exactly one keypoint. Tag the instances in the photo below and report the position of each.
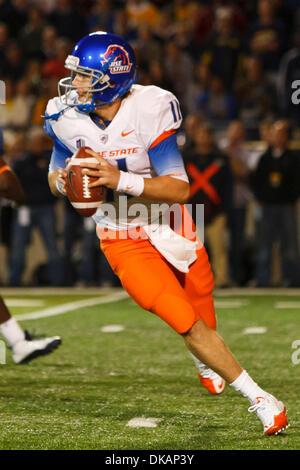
(24, 349)
(132, 131)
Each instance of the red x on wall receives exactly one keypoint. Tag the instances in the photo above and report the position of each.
(201, 181)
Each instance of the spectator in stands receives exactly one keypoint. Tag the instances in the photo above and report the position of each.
(68, 21)
(86, 266)
(184, 31)
(146, 45)
(182, 10)
(238, 155)
(3, 45)
(94, 268)
(204, 20)
(211, 184)
(199, 83)
(241, 12)
(14, 15)
(49, 38)
(21, 106)
(268, 37)
(223, 52)
(157, 75)
(217, 104)
(32, 170)
(142, 11)
(256, 96)
(33, 75)
(179, 69)
(191, 126)
(48, 90)
(55, 66)
(46, 6)
(123, 26)
(14, 149)
(276, 183)
(31, 35)
(265, 131)
(16, 112)
(72, 229)
(260, 146)
(14, 62)
(102, 17)
(165, 28)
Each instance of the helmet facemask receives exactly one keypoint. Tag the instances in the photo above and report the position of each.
(99, 81)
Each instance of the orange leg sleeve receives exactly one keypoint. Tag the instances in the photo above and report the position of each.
(150, 281)
(177, 298)
(198, 285)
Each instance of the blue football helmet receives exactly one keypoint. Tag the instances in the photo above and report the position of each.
(109, 62)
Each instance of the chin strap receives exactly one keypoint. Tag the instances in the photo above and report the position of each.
(55, 116)
(85, 108)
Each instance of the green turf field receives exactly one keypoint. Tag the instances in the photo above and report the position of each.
(83, 395)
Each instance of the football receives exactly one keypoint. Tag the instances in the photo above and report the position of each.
(84, 199)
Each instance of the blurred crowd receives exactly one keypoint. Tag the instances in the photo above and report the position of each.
(232, 65)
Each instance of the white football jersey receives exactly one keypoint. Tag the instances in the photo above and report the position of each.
(146, 117)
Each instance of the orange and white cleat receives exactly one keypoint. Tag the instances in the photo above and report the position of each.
(210, 379)
(271, 412)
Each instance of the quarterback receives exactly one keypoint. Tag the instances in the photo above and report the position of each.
(23, 348)
(132, 131)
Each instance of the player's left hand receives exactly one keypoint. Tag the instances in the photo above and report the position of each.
(106, 173)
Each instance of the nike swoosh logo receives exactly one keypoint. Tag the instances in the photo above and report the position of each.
(70, 174)
(124, 134)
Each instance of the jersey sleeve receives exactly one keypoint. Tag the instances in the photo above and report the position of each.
(166, 159)
(162, 118)
(159, 116)
(59, 152)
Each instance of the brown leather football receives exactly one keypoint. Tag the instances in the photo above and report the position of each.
(84, 199)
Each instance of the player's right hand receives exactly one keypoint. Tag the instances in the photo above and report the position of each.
(62, 178)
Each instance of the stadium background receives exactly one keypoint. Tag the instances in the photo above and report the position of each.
(225, 61)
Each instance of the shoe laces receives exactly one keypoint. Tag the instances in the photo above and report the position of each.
(259, 405)
(206, 372)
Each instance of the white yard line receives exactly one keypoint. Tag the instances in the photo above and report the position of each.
(141, 422)
(112, 328)
(61, 309)
(21, 302)
(255, 330)
(288, 304)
